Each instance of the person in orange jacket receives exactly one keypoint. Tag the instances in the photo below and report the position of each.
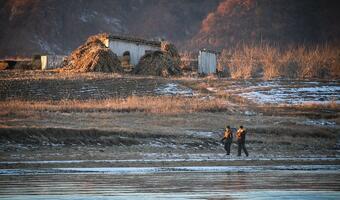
(227, 139)
(241, 140)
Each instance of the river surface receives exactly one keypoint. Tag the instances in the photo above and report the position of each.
(266, 182)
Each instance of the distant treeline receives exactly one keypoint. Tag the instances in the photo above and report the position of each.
(270, 61)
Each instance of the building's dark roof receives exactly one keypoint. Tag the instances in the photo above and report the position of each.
(135, 40)
(209, 51)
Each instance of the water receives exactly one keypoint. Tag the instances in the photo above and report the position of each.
(314, 182)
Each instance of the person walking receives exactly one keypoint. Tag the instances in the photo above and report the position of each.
(241, 141)
(227, 139)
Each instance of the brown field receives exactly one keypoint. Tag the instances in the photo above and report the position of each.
(121, 117)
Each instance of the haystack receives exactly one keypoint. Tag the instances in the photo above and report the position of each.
(160, 63)
(3, 65)
(93, 56)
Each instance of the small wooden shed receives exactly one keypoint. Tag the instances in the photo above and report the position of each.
(207, 62)
(51, 61)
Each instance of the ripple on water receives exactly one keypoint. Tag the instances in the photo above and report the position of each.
(174, 185)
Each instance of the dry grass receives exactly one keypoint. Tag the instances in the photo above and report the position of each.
(130, 104)
(55, 75)
(268, 62)
(314, 106)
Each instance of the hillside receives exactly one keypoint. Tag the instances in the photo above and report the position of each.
(281, 22)
(59, 26)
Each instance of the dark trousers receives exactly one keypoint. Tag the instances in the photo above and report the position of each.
(227, 145)
(241, 145)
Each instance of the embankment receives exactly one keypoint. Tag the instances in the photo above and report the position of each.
(60, 136)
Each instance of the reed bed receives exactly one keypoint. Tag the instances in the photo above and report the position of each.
(269, 62)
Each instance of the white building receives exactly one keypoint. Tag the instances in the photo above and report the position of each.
(135, 47)
(207, 62)
(51, 61)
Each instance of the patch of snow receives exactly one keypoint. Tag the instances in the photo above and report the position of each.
(287, 92)
(88, 89)
(207, 98)
(268, 84)
(312, 83)
(83, 18)
(321, 122)
(318, 89)
(158, 144)
(111, 20)
(172, 89)
(250, 113)
(43, 44)
(288, 95)
(211, 89)
(13, 13)
(115, 23)
(87, 16)
(208, 134)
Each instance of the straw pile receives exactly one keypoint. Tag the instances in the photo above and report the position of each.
(160, 63)
(93, 56)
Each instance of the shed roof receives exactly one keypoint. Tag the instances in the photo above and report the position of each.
(135, 40)
(209, 51)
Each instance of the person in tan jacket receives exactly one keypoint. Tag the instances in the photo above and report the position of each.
(227, 139)
(241, 141)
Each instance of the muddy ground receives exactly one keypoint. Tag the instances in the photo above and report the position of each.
(275, 135)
